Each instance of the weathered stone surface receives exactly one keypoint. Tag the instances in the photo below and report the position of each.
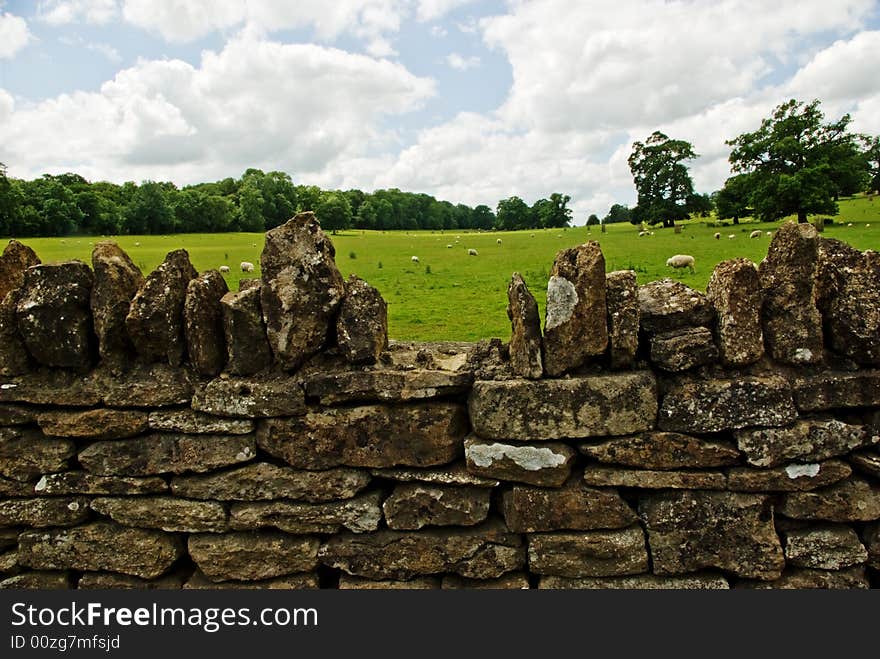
(39, 580)
(800, 579)
(706, 581)
(682, 349)
(111, 581)
(82, 482)
(17, 415)
(247, 348)
(489, 359)
(848, 295)
(26, 453)
(54, 319)
(412, 506)
(791, 321)
(247, 284)
(50, 387)
(144, 385)
(715, 405)
(359, 515)
(16, 258)
(805, 441)
(453, 474)
(831, 390)
(163, 512)
(14, 358)
(100, 546)
(382, 385)
(362, 324)
(867, 462)
(576, 326)
(826, 547)
(418, 435)
(790, 478)
(8, 537)
(871, 536)
(547, 464)
(348, 582)
(480, 552)
(852, 500)
(600, 405)
(250, 556)
(302, 288)
(622, 297)
(11, 488)
(690, 531)
(93, 424)
(251, 398)
(662, 450)
(117, 280)
(668, 305)
(43, 512)
(261, 481)
(509, 581)
(9, 563)
(589, 554)
(301, 581)
(155, 318)
(574, 506)
(191, 422)
(734, 291)
(650, 479)
(166, 453)
(203, 323)
(525, 330)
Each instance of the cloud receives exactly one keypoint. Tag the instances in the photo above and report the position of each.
(14, 35)
(7, 105)
(298, 108)
(461, 63)
(429, 10)
(61, 12)
(103, 49)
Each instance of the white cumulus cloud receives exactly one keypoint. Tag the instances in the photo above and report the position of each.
(61, 12)
(462, 63)
(14, 34)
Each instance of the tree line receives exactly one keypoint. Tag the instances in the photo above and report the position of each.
(795, 163)
(59, 205)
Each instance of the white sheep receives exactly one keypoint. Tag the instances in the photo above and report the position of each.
(849, 225)
(769, 233)
(757, 233)
(137, 244)
(224, 268)
(449, 247)
(681, 261)
(414, 259)
(717, 236)
(642, 233)
(498, 241)
(472, 252)
(247, 266)
(868, 225)
(731, 236)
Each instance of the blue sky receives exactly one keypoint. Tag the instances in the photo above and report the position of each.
(470, 101)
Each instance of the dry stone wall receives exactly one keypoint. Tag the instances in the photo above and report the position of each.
(163, 432)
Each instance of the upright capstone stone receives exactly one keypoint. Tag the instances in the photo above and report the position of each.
(53, 314)
(668, 305)
(621, 292)
(848, 291)
(16, 258)
(576, 327)
(13, 354)
(525, 330)
(203, 321)
(117, 280)
(155, 320)
(792, 324)
(302, 288)
(247, 347)
(362, 326)
(734, 291)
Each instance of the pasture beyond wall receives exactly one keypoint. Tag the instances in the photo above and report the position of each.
(167, 433)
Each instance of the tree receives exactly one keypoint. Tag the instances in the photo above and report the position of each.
(149, 210)
(618, 213)
(482, 217)
(732, 201)
(593, 220)
(552, 213)
(9, 204)
(334, 211)
(872, 157)
(699, 204)
(662, 181)
(512, 214)
(797, 164)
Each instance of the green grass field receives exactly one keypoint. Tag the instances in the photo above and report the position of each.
(449, 295)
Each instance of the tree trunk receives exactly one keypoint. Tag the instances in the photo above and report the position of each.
(668, 223)
(802, 217)
(736, 219)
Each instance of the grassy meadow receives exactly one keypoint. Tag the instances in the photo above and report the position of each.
(449, 295)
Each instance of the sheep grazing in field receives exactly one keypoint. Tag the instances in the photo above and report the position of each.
(717, 236)
(224, 269)
(867, 226)
(449, 247)
(757, 233)
(681, 261)
(247, 266)
(498, 241)
(414, 259)
(643, 233)
(769, 233)
(472, 252)
(849, 224)
(731, 236)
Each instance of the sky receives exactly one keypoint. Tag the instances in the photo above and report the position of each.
(470, 101)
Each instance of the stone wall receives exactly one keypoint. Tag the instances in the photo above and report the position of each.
(163, 432)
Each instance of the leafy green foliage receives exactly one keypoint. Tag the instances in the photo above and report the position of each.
(662, 181)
